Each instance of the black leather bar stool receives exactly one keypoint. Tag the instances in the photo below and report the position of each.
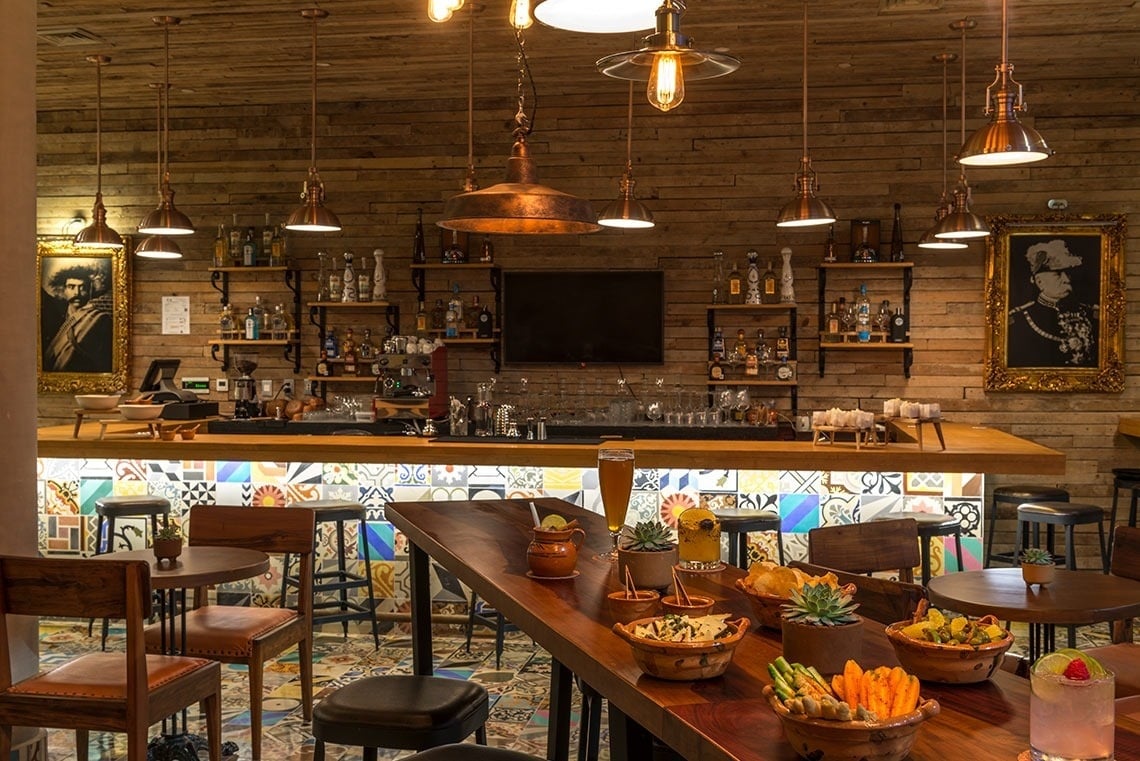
(1014, 495)
(738, 523)
(1031, 516)
(340, 581)
(400, 711)
(469, 752)
(1129, 480)
(931, 525)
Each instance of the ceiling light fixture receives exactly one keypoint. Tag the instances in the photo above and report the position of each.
(961, 223)
(666, 59)
(928, 240)
(166, 219)
(627, 211)
(159, 246)
(597, 16)
(98, 234)
(441, 10)
(806, 209)
(519, 205)
(312, 216)
(1004, 141)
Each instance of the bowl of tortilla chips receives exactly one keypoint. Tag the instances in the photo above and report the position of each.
(769, 585)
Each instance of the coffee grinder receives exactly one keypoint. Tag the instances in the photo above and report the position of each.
(246, 402)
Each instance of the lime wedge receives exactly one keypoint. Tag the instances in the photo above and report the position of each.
(1095, 669)
(1052, 663)
(555, 522)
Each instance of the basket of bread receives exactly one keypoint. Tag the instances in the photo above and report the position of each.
(769, 586)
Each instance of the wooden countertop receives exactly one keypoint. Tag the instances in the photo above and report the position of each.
(969, 449)
(1129, 426)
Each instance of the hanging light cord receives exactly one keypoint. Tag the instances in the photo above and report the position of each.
(165, 102)
(523, 125)
(945, 118)
(805, 85)
(629, 132)
(471, 90)
(313, 100)
(98, 125)
(965, 26)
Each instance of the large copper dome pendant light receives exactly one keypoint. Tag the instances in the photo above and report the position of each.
(98, 234)
(159, 246)
(928, 240)
(166, 219)
(627, 211)
(311, 215)
(667, 59)
(961, 223)
(597, 16)
(1004, 141)
(520, 205)
(806, 209)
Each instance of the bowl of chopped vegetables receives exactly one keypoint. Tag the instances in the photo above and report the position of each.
(682, 649)
(949, 650)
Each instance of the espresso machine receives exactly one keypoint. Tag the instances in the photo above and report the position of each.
(247, 403)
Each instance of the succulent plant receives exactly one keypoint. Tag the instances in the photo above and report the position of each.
(169, 531)
(647, 536)
(1036, 556)
(821, 605)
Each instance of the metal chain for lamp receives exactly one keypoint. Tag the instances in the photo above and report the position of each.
(469, 182)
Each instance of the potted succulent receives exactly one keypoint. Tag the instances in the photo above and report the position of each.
(1037, 566)
(167, 542)
(820, 627)
(649, 551)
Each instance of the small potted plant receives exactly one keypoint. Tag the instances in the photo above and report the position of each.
(167, 542)
(820, 627)
(649, 551)
(1037, 566)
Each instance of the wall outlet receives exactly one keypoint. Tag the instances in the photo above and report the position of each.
(287, 386)
(308, 387)
(221, 385)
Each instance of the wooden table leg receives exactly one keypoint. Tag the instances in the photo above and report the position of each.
(629, 741)
(938, 430)
(558, 727)
(421, 611)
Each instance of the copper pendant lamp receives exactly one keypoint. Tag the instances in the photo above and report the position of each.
(806, 209)
(928, 240)
(159, 246)
(597, 16)
(1005, 141)
(627, 212)
(166, 219)
(667, 59)
(312, 215)
(98, 234)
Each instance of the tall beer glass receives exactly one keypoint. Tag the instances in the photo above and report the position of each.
(615, 479)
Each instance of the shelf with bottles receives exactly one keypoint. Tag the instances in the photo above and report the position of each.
(766, 358)
(279, 327)
(887, 329)
(248, 248)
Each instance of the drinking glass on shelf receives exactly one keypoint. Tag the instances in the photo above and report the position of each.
(698, 540)
(615, 480)
(1070, 720)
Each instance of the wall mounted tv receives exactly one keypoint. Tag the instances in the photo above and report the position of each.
(583, 317)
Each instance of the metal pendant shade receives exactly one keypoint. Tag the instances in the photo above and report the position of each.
(98, 234)
(312, 215)
(627, 211)
(1005, 141)
(597, 16)
(928, 239)
(158, 247)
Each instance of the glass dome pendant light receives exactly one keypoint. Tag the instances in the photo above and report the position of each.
(597, 16)
(98, 234)
(928, 240)
(806, 209)
(166, 219)
(159, 246)
(312, 215)
(627, 211)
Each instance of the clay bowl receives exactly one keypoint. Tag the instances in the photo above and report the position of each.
(97, 401)
(699, 605)
(888, 740)
(947, 664)
(141, 411)
(643, 604)
(767, 608)
(682, 661)
(168, 434)
(188, 433)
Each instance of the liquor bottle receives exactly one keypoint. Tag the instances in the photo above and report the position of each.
(421, 321)
(716, 370)
(753, 278)
(258, 311)
(267, 231)
(763, 351)
(864, 252)
(783, 348)
(717, 346)
(487, 253)
(883, 318)
(768, 292)
(348, 343)
(451, 321)
(471, 313)
(221, 248)
(248, 249)
(829, 245)
(278, 323)
(226, 326)
(787, 278)
(252, 326)
(735, 286)
(438, 315)
(718, 284)
(456, 303)
(485, 325)
(330, 346)
(863, 315)
(336, 278)
(752, 363)
(899, 327)
(896, 235)
(419, 250)
(454, 253)
(235, 243)
(739, 348)
(348, 280)
(278, 248)
(322, 276)
(846, 316)
(379, 277)
(364, 280)
(833, 318)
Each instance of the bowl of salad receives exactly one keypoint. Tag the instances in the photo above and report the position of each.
(680, 648)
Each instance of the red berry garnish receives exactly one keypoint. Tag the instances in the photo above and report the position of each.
(1077, 670)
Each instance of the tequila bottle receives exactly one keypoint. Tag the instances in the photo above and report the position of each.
(348, 280)
(364, 280)
(753, 295)
(863, 315)
(267, 232)
(379, 277)
(768, 291)
(221, 249)
(322, 276)
(336, 279)
(735, 286)
(226, 325)
(279, 323)
(235, 243)
(864, 252)
(739, 348)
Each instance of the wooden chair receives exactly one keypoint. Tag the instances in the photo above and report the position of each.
(105, 691)
(865, 548)
(253, 635)
(882, 600)
(1123, 657)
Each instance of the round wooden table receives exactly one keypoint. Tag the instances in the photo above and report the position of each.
(1074, 597)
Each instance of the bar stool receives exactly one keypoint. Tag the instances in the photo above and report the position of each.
(738, 523)
(1014, 495)
(1129, 479)
(339, 581)
(400, 711)
(1031, 515)
(931, 525)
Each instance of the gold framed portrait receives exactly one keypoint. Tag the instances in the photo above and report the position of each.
(83, 317)
(1054, 305)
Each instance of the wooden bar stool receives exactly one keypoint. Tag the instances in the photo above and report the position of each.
(1129, 480)
(931, 525)
(340, 581)
(1014, 495)
(738, 523)
(1031, 515)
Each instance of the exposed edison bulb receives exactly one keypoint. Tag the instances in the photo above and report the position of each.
(666, 82)
(440, 10)
(520, 17)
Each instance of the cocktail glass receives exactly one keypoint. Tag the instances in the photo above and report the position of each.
(698, 540)
(1071, 720)
(615, 479)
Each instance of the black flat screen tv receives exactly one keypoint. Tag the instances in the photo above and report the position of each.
(583, 317)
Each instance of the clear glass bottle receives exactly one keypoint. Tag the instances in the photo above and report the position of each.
(718, 283)
(248, 249)
(226, 326)
(252, 330)
(769, 291)
(336, 278)
(364, 280)
(863, 315)
(266, 248)
(258, 311)
(322, 276)
(883, 318)
(279, 325)
(456, 303)
(752, 279)
(221, 248)
(235, 243)
(348, 280)
(279, 248)
(735, 286)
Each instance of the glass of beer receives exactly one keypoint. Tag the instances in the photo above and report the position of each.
(615, 479)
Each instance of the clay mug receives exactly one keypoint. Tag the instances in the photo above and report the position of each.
(554, 553)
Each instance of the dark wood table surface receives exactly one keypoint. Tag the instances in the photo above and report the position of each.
(484, 542)
(198, 566)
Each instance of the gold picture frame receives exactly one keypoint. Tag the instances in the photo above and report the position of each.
(1054, 304)
(83, 317)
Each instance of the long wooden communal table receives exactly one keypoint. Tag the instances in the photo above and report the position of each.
(484, 544)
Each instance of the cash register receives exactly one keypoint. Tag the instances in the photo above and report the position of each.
(180, 403)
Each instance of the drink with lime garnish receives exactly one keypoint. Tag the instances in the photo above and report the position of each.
(1071, 710)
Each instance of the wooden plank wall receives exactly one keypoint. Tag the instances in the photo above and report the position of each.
(714, 172)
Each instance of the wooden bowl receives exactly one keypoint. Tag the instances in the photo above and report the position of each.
(699, 605)
(141, 411)
(947, 664)
(767, 608)
(682, 661)
(625, 609)
(887, 740)
(97, 401)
